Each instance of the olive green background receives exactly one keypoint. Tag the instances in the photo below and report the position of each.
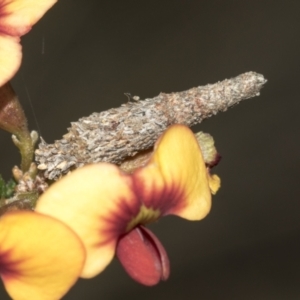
(82, 57)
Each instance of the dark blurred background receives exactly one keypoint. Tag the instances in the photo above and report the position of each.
(82, 57)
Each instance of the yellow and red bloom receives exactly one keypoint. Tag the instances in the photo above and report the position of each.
(108, 208)
(40, 257)
(16, 19)
(98, 211)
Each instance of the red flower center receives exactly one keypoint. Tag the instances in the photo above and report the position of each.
(143, 256)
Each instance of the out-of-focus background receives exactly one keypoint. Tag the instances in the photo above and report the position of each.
(82, 57)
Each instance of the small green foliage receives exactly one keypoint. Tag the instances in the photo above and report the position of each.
(6, 188)
(10, 188)
(2, 187)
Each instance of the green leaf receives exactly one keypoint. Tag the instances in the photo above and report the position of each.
(10, 188)
(7, 189)
(2, 187)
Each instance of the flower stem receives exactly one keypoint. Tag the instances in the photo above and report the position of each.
(25, 141)
(13, 120)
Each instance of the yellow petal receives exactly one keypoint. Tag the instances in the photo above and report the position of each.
(100, 203)
(16, 19)
(40, 258)
(97, 202)
(10, 57)
(18, 16)
(175, 179)
(214, 183)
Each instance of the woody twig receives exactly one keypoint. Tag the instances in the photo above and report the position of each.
(118, 133)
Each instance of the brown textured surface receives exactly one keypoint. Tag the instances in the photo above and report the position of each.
(117, 133)
(248, 247)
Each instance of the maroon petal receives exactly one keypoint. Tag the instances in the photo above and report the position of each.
(143, 256)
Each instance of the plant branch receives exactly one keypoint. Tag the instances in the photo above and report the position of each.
(13, 120)
(118, 133)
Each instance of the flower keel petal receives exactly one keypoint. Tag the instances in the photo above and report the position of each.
(143, 256)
